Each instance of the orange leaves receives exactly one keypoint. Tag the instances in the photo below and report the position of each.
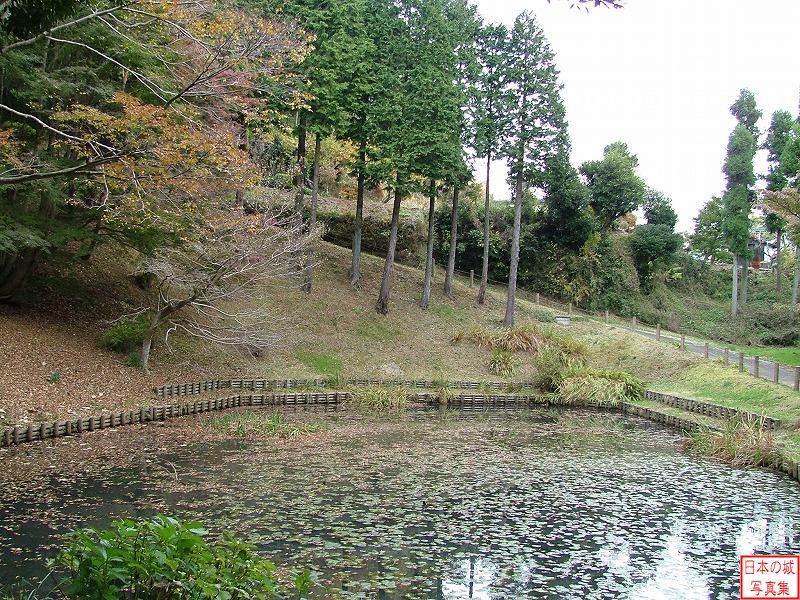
(9, 149)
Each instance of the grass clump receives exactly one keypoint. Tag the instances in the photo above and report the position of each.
(599, 388)
(742, 442)
(125, 335)
(255, 424)
(325, 364)
(502, 363)
(513, 339)
(443, 390)
(379, 399)
(552, 364)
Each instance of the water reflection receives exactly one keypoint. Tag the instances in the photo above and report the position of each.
(456, 505)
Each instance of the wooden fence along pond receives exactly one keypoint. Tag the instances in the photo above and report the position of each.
(31, 432)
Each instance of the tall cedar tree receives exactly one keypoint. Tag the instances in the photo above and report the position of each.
(369, 90)
(488, 102)
(417, 140)
(463, 16)
(778, 136)
(738, 197)
(535, 125)
(329, 76)
(439, 34)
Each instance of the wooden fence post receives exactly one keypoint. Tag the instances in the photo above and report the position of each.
(727, 356)
(633, 323)
(705, 351)
(797, 379)
(756, 360)
(570, 309)
(606, 316)
(741, 362)
(776, 375)
(472, 278)
(538, 299)
(658, 332)
(683, 341)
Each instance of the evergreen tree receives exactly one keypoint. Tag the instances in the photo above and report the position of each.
(488, 110)
(658, 209)
(535, 128)
(737, 200)
(615, 188)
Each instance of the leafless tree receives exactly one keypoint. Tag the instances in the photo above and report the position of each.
(214, 286)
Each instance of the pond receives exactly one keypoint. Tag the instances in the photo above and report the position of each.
(456, 504)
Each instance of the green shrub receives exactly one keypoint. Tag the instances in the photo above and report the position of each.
(125, 335)
(339, 228)
(502, 363)
(162, 558)
(742, 442)
(544, 315)
(55, 377)
(551, 366)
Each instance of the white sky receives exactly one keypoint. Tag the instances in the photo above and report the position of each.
(660, 75)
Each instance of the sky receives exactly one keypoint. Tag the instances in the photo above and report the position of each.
(661, 75)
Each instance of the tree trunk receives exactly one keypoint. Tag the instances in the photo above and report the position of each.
(451, 259)
(355, 268)
(735, 287)
(743, 285)
(147, 343)
(299, 180)
(386, 283)
(239, 202)
(796, 284)
(426, 285)
(485, 271)
(508, 321)
(312, 222)
(778, 266)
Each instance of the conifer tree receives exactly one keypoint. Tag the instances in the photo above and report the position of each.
(737, 200)
(488, 108)
(534, 124)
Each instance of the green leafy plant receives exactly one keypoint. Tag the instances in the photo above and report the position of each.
(502, 363)
(55, 377)
(162, 558)
(125, 335)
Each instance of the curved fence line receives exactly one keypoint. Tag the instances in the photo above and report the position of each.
(30, 433)
(709, 409)
(199, 387)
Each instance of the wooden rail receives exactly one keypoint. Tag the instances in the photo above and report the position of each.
(709, 409)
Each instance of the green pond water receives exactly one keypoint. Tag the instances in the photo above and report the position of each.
(463, 504)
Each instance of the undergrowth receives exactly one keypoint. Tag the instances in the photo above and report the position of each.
(742, 442)
(257, 424)
(379, 399)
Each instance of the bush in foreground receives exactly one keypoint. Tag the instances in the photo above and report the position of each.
(165, 558)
